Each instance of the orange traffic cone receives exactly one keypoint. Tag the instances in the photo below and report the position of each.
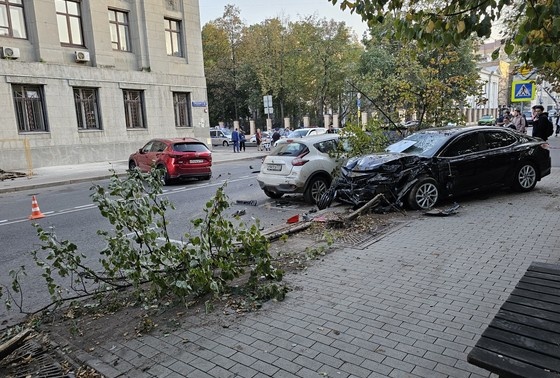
(35, 211)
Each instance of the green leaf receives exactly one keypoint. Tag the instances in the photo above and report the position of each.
(508, 49)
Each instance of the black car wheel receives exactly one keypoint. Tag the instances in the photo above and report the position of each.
(131, 165)
(315, 189)
(225, 144)
(525, 177)
(206, 178)
(271, 194)
(424, 194)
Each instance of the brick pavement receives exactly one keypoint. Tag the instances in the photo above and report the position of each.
(412, 304)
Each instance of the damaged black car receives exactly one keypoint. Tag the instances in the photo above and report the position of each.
(432, 164)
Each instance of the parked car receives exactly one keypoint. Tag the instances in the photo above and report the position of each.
(220, 137)
(178, 158)
(307, 131)
(487, 120)
(434, 163)
(300, 165)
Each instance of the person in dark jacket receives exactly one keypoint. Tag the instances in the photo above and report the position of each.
(542, 127)
(275, 137)
(241, 141)
(235, 140)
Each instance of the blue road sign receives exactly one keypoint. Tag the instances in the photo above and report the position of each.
(523, 90)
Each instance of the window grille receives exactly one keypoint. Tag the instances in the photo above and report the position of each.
(30, 108)
(87, 108)
(134, 109)
(181, 106)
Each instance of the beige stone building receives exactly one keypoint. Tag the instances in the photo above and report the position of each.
(93, 80)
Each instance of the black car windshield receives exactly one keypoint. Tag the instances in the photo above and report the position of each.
(425, 143)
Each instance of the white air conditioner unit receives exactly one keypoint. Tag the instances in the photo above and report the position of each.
(82, 56)
(9, 52)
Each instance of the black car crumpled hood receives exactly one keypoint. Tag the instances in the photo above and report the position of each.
(381, 161)
(391, 174)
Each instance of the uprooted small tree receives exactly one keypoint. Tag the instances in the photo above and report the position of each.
(141, 257)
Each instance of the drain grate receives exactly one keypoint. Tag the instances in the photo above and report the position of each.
(32, 360)
(365, 239)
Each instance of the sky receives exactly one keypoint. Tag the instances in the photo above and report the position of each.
(255, 11)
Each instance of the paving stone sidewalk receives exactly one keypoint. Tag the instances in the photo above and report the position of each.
(410, 304)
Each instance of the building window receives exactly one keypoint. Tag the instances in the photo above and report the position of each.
(30, 108)
(87, 108)
(134, 109)
(69, 21)
(173, 37)
(12, 21)
(181, 105)
(118, 22)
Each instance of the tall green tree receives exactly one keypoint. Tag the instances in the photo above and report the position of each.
(531, 32)
(221, 39)
(406, 80)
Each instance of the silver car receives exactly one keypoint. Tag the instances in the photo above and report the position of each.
(300, 165)
(220, 137)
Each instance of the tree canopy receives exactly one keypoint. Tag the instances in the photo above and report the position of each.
(314, 67)
(530, 28)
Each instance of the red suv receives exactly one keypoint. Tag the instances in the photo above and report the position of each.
(178, 157)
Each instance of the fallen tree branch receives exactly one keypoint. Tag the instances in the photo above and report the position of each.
(9, 346)
(372, 202)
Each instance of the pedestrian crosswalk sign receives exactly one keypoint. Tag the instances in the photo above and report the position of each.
(523, 90)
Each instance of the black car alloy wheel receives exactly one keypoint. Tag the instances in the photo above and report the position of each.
(424, 194)
(525, 177)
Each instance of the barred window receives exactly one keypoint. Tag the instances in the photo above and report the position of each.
(173, 37)
(87, 108)
(69, 19)
(12, 20)
(118, 23)
(182, 108)
(30, 108)
(134, 109)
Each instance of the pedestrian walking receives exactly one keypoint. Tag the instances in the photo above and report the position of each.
(258, 138)
(501, 119)
(508, 122)
(542, 127)
(235, 140)
(519, 121)
(241, 140)
(275, 137)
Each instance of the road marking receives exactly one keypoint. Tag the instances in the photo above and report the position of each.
(84, 206)
(90, 206)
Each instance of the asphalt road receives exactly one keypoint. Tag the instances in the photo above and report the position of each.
(72, 215)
